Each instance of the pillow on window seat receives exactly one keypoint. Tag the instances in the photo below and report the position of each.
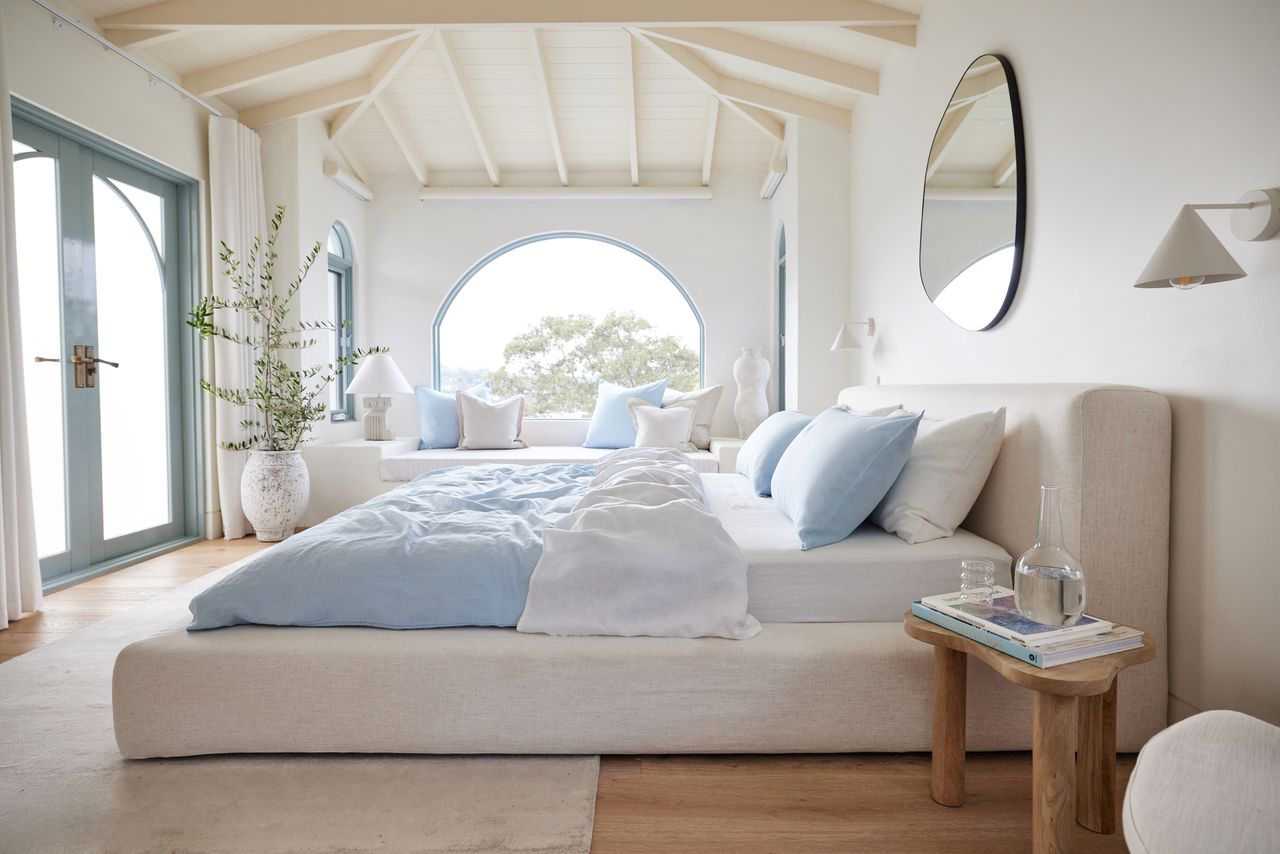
(611, 425)
(438, 415)
(663, 426)
(706, 399)
(838, 469)
(486, 426)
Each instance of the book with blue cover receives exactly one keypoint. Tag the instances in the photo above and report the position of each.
(1001, 617)
(1065, 651)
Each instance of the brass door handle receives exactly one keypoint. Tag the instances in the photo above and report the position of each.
(85, 360)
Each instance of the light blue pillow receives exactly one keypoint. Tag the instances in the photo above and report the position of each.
(611, 424)
(759, 455)
(838, 469)
(438, 415)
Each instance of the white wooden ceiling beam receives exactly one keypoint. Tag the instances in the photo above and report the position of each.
(629, 85)
(134, 39)
(706, 77)
(465, 100)
(533, 194)
(946, 138)
(903, 35)
(308, 103)
(548, 105)
(709, 144)
(777, 101)
(802, 63)
(388, 66)
(354, 163)
(402, 138)
(500, 14)
(272, 63)
(1005, 168)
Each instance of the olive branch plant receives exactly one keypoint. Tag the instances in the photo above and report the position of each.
(286, 400)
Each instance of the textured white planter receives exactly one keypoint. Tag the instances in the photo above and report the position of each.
(274, 490)
(751, 373)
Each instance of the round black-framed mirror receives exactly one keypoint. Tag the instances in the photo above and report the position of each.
(974, 203)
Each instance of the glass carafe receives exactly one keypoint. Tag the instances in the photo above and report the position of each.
(1048, 580)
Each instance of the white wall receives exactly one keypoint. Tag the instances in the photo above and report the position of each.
(813, 206)
(416, 251)
(1131, 110)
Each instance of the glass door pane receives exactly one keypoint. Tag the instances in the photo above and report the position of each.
(40, 296)
(133, 398)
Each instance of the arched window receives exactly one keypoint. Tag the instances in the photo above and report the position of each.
(551, 315)
(341, 305)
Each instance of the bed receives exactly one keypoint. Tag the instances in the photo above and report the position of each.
(831, 670)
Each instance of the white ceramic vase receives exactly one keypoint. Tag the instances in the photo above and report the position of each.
(751, 373)
(274, 490)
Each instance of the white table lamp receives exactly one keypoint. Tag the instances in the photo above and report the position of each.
(378, 376)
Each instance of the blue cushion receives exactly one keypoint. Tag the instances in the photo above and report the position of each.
(759, 455)
(438, 415)
(611, 424)
(838, 469)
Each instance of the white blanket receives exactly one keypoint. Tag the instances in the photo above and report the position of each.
(640, 554)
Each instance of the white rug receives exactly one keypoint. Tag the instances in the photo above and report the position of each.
(65, 788)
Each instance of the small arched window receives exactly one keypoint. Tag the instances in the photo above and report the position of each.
(341, 312)
(551, 315)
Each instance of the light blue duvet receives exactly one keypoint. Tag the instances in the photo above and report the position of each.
(453, 547)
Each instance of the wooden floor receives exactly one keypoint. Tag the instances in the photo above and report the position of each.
(746, 804)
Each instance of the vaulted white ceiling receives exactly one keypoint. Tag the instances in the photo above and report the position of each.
(510, 93)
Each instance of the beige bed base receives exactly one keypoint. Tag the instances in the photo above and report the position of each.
(831, 687)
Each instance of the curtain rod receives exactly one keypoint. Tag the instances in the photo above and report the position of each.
(153, 74)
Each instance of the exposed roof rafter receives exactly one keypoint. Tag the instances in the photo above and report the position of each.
(899, 34)
(403, 141)
(823, 69)
(1005, 168)
(710, 80)
(135, 39)
(272, 63)
(548, 105)
(376, 14)
(320, 100)
(709, 145)
(467, 103)
(388, 66)
(629, 87)
(946, 138)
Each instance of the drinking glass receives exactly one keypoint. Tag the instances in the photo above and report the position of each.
(977, 581)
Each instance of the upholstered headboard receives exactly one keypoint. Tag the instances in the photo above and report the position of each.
(1108, 449)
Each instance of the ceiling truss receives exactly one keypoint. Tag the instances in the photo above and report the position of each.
(693, 36)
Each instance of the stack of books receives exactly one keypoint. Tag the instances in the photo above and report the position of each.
(1000, 626)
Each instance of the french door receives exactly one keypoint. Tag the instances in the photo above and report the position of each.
(100, 283)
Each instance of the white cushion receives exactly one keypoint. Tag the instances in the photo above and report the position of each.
(707, 399)
(1208, 783)
(943, 477)
(489, 426)
(663, 427)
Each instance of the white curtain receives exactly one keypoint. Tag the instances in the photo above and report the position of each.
(238, 215)
(19, 562)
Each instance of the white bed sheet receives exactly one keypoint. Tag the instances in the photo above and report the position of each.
(404, 467)
(873, 576)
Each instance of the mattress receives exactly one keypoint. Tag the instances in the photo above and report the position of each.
(402, 467)
(872, 576)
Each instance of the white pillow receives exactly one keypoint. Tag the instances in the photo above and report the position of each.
(946, 471)
(879, 411)
(665, 426)
(707, 400)
(485, 425)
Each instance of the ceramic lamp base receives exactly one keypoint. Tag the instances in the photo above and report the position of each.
(375, 419)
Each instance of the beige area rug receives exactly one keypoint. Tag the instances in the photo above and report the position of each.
(65, 788)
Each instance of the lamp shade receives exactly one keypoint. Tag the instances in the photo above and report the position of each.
(378, 374)
(846, 339)
(1189, 255)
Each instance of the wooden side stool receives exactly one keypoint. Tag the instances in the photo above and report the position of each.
(1073, 741)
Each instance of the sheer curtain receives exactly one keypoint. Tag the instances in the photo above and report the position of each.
(238, 214)
(19, 562)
